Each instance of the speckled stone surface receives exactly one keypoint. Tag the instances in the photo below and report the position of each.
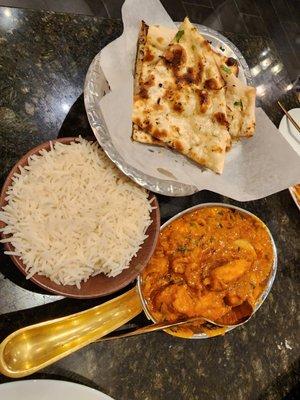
(43, 61)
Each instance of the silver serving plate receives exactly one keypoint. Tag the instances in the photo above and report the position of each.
(95, 87)
(267, 288)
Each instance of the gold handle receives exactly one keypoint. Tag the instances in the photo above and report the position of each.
(34, 347)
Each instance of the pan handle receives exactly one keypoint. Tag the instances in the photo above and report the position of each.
(34, 347)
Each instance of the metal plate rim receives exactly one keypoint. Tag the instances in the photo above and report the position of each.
(91, 99)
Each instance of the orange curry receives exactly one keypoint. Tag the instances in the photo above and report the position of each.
(206, 263)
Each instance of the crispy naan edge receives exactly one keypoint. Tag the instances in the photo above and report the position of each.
(184, 103)
(152, 42)
(240, 103)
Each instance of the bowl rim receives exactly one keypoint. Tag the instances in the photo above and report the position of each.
(35, 278)
(262, 297)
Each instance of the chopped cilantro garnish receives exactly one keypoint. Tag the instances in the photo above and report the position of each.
(226, 69)
(239, 103)
(181, 248)
(179, 35)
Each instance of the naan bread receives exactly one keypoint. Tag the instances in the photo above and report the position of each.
(229, 62)
(240, 103)
(152, 42)
(182, 102)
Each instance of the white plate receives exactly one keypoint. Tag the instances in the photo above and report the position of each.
(291, 134)
(291, 189)
(46, 389)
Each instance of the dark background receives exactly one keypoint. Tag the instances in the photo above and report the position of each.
(43, 63)
(276, 19)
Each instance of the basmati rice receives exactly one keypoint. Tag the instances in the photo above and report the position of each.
(72, 214)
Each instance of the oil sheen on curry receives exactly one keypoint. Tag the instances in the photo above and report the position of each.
(207, 263)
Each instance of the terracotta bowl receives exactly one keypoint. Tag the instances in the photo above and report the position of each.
(99, 285)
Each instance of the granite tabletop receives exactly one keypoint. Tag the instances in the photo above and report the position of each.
(44, 57)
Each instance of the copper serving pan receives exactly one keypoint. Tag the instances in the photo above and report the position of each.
(270, 280)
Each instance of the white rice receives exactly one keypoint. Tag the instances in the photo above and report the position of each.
(72, 214)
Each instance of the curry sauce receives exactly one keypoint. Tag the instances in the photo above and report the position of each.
(207, 263)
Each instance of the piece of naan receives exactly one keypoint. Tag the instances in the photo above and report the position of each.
(240, 99)
(182, 103)
(240, 105)
(152, 42)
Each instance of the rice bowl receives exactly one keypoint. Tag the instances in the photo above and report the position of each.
(69, 234)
